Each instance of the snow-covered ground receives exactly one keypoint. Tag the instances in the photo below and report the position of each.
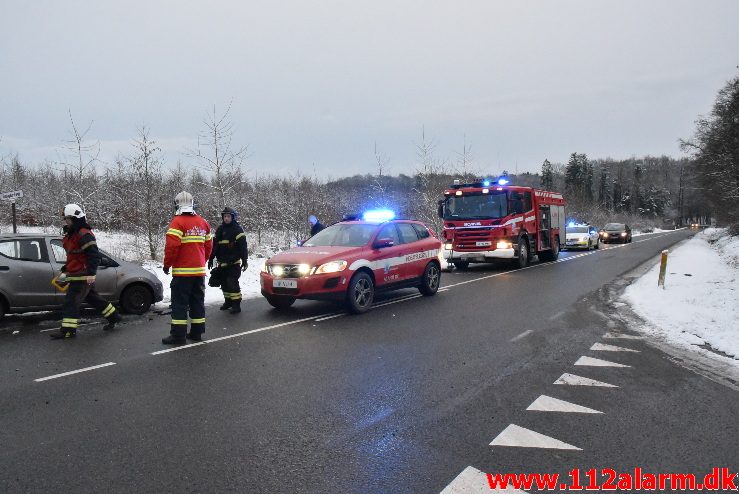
(698, 308)
(249, 282)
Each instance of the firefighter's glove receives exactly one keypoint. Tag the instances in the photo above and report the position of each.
(62, 278)
(210, 263)
(244, 265)
(165, 269)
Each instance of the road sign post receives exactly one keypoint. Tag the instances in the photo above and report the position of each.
(12, 196)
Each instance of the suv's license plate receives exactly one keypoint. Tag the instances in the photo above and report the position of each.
(483, 244)
(284, 283)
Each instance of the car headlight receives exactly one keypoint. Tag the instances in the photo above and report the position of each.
(331, 267)
(448, 246)
(278, 270)
(605, 235)
(264, 268)
(623, 234)
(303, 269)
(504, 245)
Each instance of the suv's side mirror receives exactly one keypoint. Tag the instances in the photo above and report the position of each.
(384, 242)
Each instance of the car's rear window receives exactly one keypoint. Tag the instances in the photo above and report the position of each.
(343, 235)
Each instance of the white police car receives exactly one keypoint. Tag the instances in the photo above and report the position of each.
(582, 236)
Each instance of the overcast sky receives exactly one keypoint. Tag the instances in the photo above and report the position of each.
(318, 83)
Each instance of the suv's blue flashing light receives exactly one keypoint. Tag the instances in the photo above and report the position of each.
(572, 223)
(503, 181)
(378, 215)
(486, 183)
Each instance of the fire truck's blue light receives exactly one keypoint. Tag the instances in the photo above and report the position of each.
(378, 215)
(503, 181)
(486, 183)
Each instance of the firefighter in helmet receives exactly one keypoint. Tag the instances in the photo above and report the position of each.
(230, 252)
(188, 246)
(83, 259)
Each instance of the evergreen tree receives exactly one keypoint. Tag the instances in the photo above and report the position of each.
(547, 175)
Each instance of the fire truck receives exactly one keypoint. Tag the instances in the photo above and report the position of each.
(492, 220)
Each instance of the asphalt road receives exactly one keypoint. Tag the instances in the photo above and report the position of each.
(401, 399)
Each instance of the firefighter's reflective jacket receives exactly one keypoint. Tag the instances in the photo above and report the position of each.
(189, 244)
(230, 244)
(83, 257)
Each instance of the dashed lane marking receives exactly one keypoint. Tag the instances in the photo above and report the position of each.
(520, 437)
(622, 336)
(546, 403)
(522, 335)
(601, 347)
(574, 380)
(557, 315)
(596, 362)
(473, 481)
(63, 374)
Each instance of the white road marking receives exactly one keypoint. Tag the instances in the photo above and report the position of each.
(574, 380)
(596, 362)
(546, 403)
(398, 300)
(473, 481)
(557, 315)
(236, 335)
(520, 437)
(602, 347)
(522, 335)
(55, 376)
(331, 317)
(622, 336)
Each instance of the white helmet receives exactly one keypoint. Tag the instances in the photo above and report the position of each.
(73, 211)
(184, 203)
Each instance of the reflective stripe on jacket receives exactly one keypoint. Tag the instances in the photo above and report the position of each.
(188, 244)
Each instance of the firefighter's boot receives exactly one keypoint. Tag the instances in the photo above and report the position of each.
(114, 318)
(63, 334)
(226, 305)
(235, 307)
(173, 340)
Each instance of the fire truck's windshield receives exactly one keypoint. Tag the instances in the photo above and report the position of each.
(343, 235)
(476, 206)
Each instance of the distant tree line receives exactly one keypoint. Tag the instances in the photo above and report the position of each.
(135, 193)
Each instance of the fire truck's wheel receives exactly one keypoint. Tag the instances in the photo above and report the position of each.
(523, 252)
(361, 293)
(281, 302)
(430, 280)
(461, 264)
(552, 254)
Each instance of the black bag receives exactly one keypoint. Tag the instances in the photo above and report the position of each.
(216, 277)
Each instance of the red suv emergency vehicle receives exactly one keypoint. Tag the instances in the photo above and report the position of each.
(488, 220)
(349, 261)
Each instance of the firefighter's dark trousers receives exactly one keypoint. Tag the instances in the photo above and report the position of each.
(230, 284)
(77, 293)
(188, 298)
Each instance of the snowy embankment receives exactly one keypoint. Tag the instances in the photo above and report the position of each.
(698, 307)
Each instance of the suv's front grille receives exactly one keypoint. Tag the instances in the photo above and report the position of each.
(289, 270)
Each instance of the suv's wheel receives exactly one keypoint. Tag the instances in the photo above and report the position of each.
(280, 302)
(3, 310)
(430, 280)
(361, 293)
(461, 264)
(136, 299)
(523, 252)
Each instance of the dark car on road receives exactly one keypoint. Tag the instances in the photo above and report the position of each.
(28, 263)
(615, 233)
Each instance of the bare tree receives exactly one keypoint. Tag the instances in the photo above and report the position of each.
(216, 154)
(79, 171)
